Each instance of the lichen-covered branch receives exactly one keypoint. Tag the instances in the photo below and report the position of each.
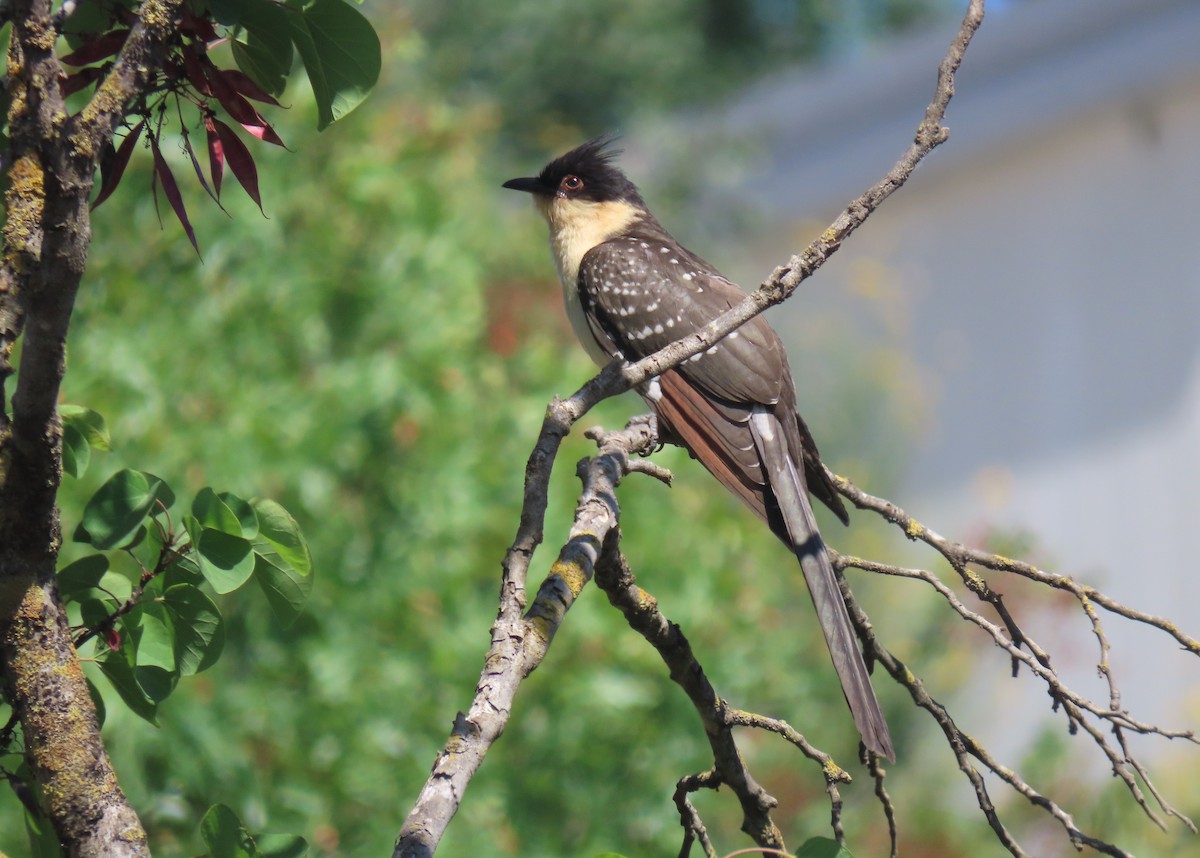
(520, 643)
(53, 158)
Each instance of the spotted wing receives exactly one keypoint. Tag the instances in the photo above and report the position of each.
(645, 291)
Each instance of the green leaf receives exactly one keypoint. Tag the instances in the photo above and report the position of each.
(224, 834)
(227, 12)
(285, 588)
(157, 682)
(283, 564)
(211, 511)
(93, 612)
(226, 561)
(193, 527)
(43, 843)
(183, 571)
(88, 423)
(341, 55)
(120, 673)
(281, 845)
(76, 579)
(279, 530)
(264, 48)
(247, 517)
(199, 631)
(823, 847)
(148, 551)
(75, 452)
(115, 512)
(155, 646)
(97, 701)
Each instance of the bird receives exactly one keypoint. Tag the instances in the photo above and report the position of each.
(631, 289)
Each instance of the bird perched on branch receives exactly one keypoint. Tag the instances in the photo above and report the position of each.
(631, 289)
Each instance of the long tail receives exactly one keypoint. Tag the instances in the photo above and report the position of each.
(792, 497)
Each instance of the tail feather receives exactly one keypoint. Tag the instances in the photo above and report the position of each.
(788, 488)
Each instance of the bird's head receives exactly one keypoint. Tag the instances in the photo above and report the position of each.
(583, 189)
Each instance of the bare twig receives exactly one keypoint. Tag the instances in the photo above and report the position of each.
(640, 610)
(693, 827)
(885, 801)
(1076, 707)
(961, 556)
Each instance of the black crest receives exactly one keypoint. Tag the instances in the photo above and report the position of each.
(593, 163)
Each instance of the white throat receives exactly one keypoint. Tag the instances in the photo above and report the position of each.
(576, 226)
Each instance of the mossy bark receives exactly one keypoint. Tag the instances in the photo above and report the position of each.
(53, 158)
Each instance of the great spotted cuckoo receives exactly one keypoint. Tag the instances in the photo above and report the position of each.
(631, 289)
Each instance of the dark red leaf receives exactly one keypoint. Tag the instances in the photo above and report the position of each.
(104, 45)
(72, 83)
(198, 67)
(235, 105)
(171, 189)
(240, 161)
(112, 637)
(244, 84)
(265, 133)
(187, 145)
(216, 154)
(241, 110)
(196, 27)
(112, 168)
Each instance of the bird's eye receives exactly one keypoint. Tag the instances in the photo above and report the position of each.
(571, 183)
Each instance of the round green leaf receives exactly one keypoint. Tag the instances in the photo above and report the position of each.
(115, 512)
(226, 561)
(224, 834)
(88, 423)
(75, 452)
(286, 589)
(213, 512)
(76, 579)
(155, 647)
(263, 48)
(119, 672)
(279, 531)
(823, 847)
(183, 571)
(95, 611)
(281, 845)
(199, 632)
(247, 518)
(157, 682)
(341, 55)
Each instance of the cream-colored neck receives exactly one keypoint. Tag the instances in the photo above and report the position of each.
(576, 226)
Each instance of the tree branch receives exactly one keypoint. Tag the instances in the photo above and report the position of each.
(1077, 708)
(519, 644)
(47, 230)
(442, 794)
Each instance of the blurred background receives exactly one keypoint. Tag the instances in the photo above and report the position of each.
(1008, 349)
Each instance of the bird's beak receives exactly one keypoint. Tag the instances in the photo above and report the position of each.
(528, 185)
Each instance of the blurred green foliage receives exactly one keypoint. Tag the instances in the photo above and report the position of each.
(377, 354)
(597, 65)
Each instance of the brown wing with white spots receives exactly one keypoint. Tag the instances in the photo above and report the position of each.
(645, 292)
